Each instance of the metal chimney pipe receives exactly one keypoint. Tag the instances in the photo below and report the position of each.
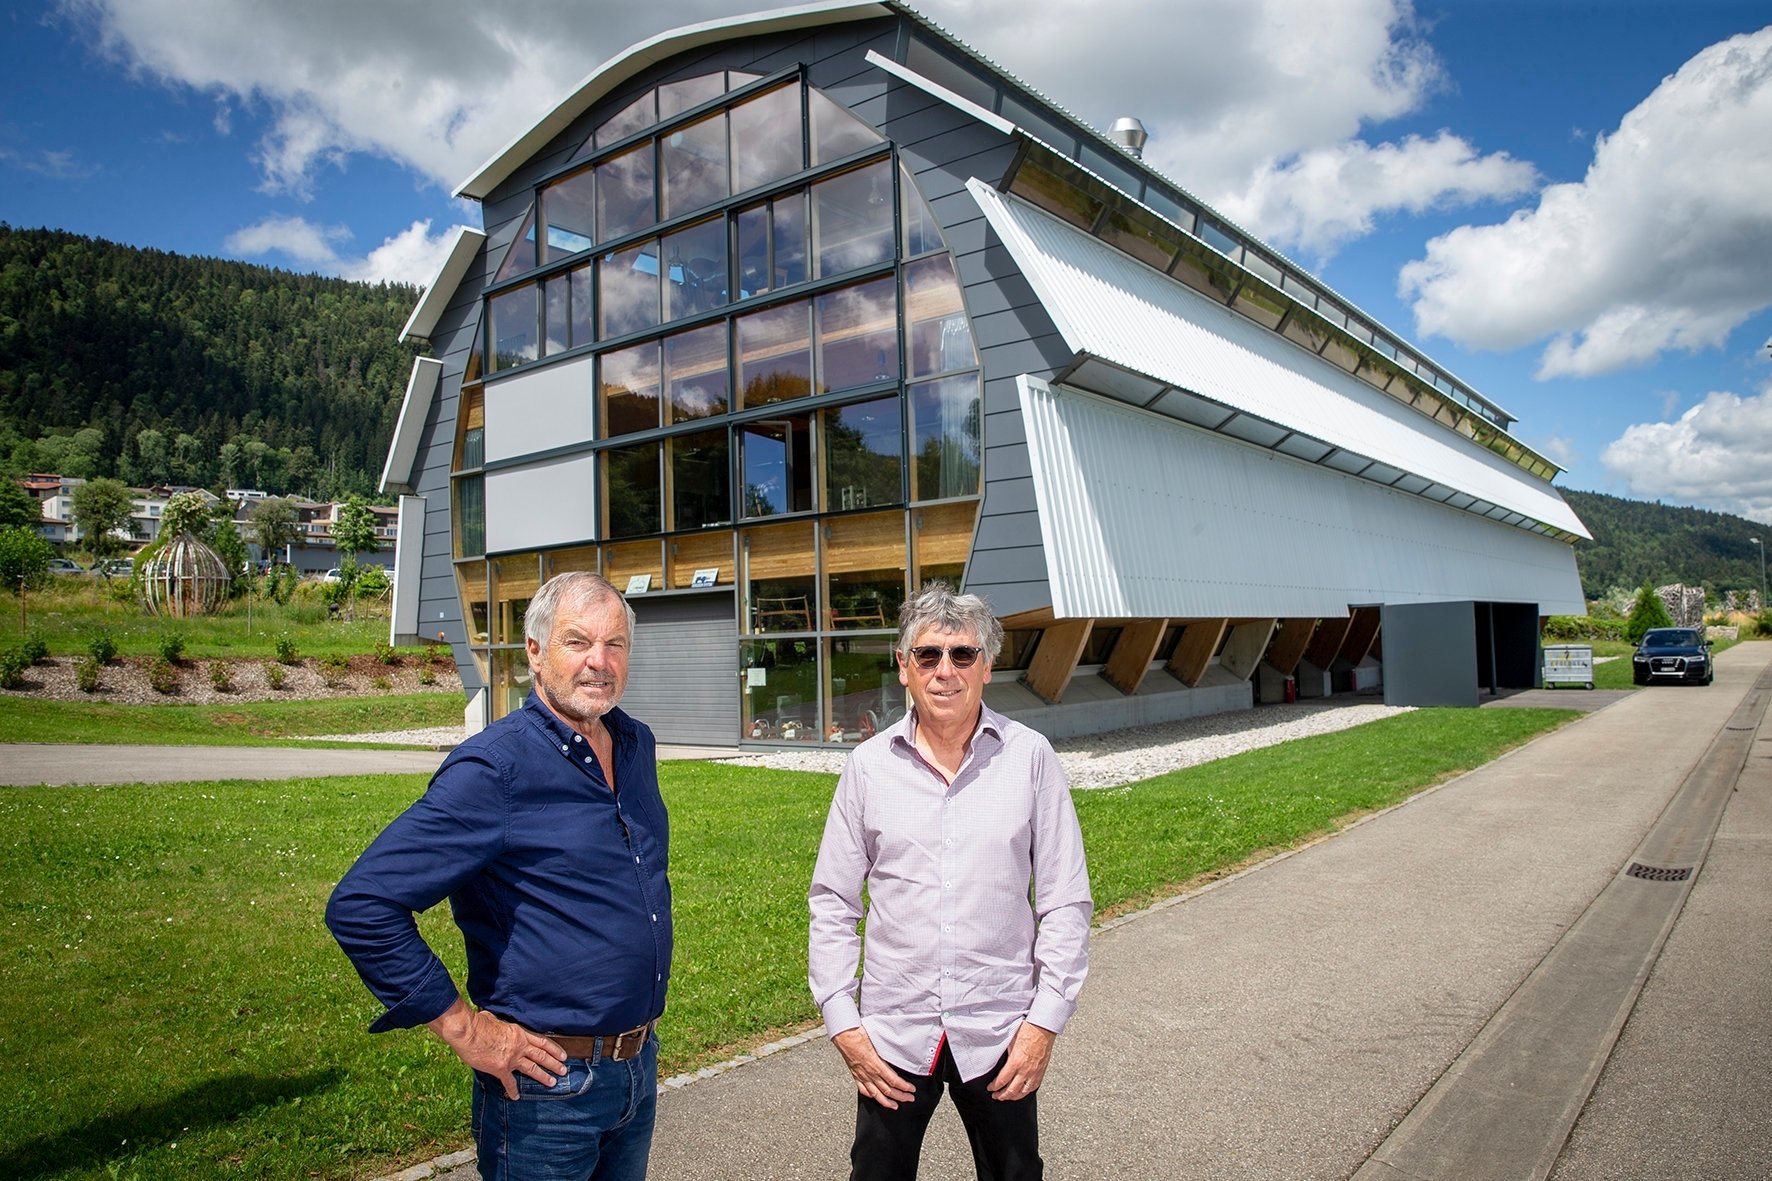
(1130, 134)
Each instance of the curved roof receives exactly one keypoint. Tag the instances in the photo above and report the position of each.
(626, 64)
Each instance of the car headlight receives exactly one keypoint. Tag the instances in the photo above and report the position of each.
(1639, 660)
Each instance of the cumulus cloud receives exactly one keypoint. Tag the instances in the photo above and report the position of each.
(1665, 244)
(1714, 454)
(411, 256)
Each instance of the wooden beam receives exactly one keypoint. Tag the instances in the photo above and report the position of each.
(1326, 644)
(1056, 659)
(1288, 645)
(1038, 617)
(1242, 652)
(1362, 634)
(1195, 650)
(1133, 653)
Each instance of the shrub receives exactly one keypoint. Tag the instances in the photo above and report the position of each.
(435, 653)
(333, 669)
(385, 653)
(382, 683)
(426, 676)
(102, 648)
(372, 580)
(287, 653)
(162, 676)
(1763, 624)
(172, 647)
(274, 675)
(219, 678)
(1647, 612)
(86, 674)
(35, 648)
(13, 664)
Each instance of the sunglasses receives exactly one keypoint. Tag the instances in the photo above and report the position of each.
(928, 656)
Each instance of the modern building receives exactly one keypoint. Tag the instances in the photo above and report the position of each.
(773, 319)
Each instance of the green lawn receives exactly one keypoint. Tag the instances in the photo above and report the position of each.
(176, 1008)
(246, 723)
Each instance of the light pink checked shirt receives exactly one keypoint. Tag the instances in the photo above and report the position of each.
(955, 949)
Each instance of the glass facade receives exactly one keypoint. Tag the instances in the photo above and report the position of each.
(786, 390)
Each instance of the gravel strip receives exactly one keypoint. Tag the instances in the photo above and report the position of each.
(1125, 756)
(435, 738)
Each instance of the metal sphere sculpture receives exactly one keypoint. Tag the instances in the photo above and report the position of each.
(185, 578)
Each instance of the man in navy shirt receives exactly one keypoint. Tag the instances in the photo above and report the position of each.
(547, 833)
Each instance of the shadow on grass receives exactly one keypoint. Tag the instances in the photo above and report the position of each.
(125, 1133)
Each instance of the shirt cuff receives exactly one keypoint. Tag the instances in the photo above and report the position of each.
(1050, 1011)
(424, 1004)
(841, 1014)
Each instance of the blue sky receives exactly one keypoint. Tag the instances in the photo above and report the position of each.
(1563, 202)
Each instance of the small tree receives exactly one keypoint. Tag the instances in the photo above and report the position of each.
(100, 506)
(17, 507)
(1647, 612)
(354, 531)
(24, 558)
(272, 522)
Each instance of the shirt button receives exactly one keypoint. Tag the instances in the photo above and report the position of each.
(578, 738)
(949, 842)
(947, 885)
(655, 918)
(587, 758)
(949, 928)
(562, 746)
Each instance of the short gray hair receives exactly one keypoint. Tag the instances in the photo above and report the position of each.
(573, 587)
(940, 607)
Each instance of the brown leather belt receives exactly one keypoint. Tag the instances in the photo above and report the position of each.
(606, 1047)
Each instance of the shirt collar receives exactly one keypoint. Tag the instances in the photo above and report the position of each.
(562, 735)
(989, 722)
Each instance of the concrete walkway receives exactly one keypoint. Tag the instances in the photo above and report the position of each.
(1286, 1022)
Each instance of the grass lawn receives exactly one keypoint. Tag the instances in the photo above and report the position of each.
(245, 723)
(177, 1009)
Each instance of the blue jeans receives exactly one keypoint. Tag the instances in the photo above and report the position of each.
(594, 1123)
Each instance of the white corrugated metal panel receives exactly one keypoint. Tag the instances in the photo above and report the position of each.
(1109, 306)
(421, 388)
(1142, 516)
(464, 243)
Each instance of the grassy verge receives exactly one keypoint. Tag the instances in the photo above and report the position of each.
(246, 723)
(178, 1010)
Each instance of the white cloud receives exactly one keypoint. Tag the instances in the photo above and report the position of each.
(54, 163)
(1665, 244)
(1244, 98)
(1559, 450)
(1713, 455)
(411, 256)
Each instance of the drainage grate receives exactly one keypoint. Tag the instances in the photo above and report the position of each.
(1656, 873)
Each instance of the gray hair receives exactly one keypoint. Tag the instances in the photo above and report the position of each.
(573, 587)
(938, 606)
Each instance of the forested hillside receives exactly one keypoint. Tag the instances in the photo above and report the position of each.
(160, 368)
(1639, 539)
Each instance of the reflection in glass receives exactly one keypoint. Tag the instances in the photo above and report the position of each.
(864, 570)
(470, 582)
(624, 193)
(767, 143)
(631, 489)
(693, 160)
(557, 302)
(862, 695)
(695, 269)
(627, 290)
(778, 578)
(700, 473)
(857, 335)
(777, 458)
(568, 208)
(941, 538)
(636, 116)
(512, 327)
(940, 336)
(775, 354)
(864, 455)
(510, 680)
(852, 223)
(582, 330)
(695, 374)
(515, 579)
(470, 516)
(780, 679)
(521, 256)
(676, 97)
(945, 436)
(921, 233)
(630, 389)
(772, 245)
(835, 131)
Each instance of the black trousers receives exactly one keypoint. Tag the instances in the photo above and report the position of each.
(1005, 1135)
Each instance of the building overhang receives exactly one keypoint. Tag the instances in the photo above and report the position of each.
(421, 390)
(464, 244)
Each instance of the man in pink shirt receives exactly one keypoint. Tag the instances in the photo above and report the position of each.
(959, 823)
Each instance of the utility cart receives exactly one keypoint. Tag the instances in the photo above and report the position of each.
(1568, 664)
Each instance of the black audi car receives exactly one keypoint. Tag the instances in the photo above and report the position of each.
(1672, 654)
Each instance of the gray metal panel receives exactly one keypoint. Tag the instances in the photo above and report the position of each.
(683, 672)
(1430, 653)
(540, 409)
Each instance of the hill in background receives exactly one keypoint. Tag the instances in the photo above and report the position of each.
(1637, 540)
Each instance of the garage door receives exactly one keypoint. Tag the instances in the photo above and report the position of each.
(683, 673)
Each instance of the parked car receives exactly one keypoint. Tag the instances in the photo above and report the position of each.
(1672, 654)
(64, 566)
(114, 568)
(333, 575)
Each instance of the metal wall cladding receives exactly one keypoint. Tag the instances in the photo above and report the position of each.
(1142, 516)
(680, 675)
(1110, 306)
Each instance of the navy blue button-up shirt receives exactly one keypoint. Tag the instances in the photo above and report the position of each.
(559, 885)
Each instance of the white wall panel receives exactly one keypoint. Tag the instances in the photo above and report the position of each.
(1143, 516)
(549, 503)
(549, 407)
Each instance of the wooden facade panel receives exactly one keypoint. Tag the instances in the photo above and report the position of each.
(1325, 646)
(1133, 652)
(1244, 648)
(1290, 640)
(1056, 659)
(1196, 648)
(1362, 635)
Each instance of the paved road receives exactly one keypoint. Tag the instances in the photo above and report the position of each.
(1287, 1023)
